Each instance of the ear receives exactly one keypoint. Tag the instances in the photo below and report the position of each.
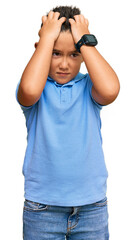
(36, 44)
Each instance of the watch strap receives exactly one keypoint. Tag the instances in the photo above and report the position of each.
(79, 44)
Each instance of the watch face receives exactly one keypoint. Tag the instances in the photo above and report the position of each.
(87, 39)
(90, 40)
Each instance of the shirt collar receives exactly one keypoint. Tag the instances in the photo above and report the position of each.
(77, 78)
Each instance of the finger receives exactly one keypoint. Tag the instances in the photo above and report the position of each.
(76, 17)
(71, 21)
(62, 20)
(44, 18)
(86, 21)
(81, 18)
(56, 15)
(50, 15)
(39, 32)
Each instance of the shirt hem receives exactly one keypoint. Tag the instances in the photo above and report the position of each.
(62, 204)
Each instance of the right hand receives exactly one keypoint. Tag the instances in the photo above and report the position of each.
(51, 26)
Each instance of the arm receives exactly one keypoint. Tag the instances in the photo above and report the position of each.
(105, 81)
(36, 72)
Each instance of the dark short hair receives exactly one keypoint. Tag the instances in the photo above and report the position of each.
(68, 12)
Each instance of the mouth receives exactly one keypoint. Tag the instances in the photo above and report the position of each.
(62, 74)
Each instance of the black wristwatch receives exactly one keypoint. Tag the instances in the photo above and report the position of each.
(88, 40)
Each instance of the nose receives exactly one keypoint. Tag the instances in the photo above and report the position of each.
(64, 63)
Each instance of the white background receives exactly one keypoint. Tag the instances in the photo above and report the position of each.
(113, 23)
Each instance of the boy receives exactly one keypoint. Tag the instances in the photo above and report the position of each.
(64, 168)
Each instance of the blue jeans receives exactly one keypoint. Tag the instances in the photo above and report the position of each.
(45, 222)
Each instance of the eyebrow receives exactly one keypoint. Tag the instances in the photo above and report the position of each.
(56, 50)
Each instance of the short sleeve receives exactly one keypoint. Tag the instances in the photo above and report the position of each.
(90, 84)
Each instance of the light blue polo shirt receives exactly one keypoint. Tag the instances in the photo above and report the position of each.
(64, 162)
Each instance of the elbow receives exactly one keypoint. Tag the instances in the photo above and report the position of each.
(113, 92)
(27, 90)
(27, 95)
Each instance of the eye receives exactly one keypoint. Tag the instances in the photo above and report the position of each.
(74, 55)
(56, 54)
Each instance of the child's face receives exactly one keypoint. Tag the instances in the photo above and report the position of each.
(66, 61)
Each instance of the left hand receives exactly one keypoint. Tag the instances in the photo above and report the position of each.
(79, 27)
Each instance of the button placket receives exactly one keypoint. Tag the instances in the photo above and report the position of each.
(63, 95)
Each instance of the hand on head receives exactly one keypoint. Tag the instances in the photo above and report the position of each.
(51, 26)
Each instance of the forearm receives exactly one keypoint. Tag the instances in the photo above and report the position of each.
(36, 72)
(105, 81)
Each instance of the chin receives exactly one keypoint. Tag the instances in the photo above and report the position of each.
(62, 81)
